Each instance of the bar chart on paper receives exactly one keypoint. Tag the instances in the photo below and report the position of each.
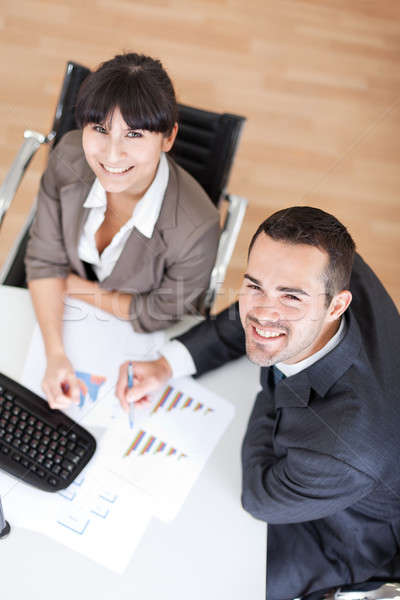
(89, 386)
(164, 454)
(174, 400)
(146, 444)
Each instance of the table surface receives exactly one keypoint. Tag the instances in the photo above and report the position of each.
(212, 550)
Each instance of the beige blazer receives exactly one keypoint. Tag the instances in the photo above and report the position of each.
(166, 274)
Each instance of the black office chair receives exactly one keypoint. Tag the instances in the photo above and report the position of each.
(205, 146)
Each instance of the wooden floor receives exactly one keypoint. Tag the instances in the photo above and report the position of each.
(319, 82)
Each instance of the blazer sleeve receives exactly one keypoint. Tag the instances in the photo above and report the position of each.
(46, 254)
(303, 485)
(183, 285)
(216, 340)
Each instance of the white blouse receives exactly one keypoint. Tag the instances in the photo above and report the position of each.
(144, 218)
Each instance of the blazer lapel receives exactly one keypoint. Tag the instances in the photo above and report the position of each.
(72, 198)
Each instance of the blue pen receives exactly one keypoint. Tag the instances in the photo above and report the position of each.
(130, 386)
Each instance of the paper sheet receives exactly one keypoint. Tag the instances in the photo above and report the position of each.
(149, 469)
(170, 444)
(96, 343)
(99, 515)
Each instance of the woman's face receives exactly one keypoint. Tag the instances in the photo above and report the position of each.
(123, 159)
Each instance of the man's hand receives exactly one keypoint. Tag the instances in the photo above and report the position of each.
(60, 383)
(148, 377)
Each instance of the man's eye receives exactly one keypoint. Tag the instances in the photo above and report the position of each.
(99, 128)
(135, 134)
(253, 286)
(292, 298)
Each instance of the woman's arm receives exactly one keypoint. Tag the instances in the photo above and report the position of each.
(59, 383)
(116, 303)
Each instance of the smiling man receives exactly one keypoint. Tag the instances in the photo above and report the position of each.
(321, 449)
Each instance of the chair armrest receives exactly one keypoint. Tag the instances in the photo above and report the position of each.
(32, 142)
(237, 206)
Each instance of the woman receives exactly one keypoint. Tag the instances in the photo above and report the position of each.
(118, 224)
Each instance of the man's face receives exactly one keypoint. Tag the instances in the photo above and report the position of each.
(283, 302)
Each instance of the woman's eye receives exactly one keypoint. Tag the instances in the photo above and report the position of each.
(99, 129)
(135, 134)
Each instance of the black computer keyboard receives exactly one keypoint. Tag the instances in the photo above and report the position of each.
(40, 446)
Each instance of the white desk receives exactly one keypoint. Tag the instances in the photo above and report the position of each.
(213, 550)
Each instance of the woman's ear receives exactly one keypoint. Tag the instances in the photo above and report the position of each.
(168, 141)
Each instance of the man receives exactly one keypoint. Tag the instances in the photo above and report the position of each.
(321, 450)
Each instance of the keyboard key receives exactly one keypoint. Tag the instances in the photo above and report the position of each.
(25, 463)
(74, 458)
(53, 481)
(16, 457)
(68, 466)
(64, 474)
(62, 429)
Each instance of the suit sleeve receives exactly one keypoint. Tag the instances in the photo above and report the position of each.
(301, 486)
(46, 255)
(216, 340)
(184, 282)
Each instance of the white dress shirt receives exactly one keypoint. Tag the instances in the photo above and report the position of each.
(144, 218)
(182, 363)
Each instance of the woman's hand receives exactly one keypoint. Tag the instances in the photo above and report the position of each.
(148, 377)
(60, 383)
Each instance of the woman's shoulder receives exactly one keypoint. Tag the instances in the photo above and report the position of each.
(70, 146)
(68, 159)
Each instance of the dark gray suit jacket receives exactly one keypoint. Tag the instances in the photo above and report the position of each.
(321, 452)
(167, 274)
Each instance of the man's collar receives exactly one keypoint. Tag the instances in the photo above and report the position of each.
(323, 374)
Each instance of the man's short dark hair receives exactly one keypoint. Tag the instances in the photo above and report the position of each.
(314, 227)
(136, 84)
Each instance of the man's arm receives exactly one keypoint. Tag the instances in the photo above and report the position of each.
(216, 341)
(210, 344)
(303, 485)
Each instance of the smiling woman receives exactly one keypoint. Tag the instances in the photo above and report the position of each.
(118, 223)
